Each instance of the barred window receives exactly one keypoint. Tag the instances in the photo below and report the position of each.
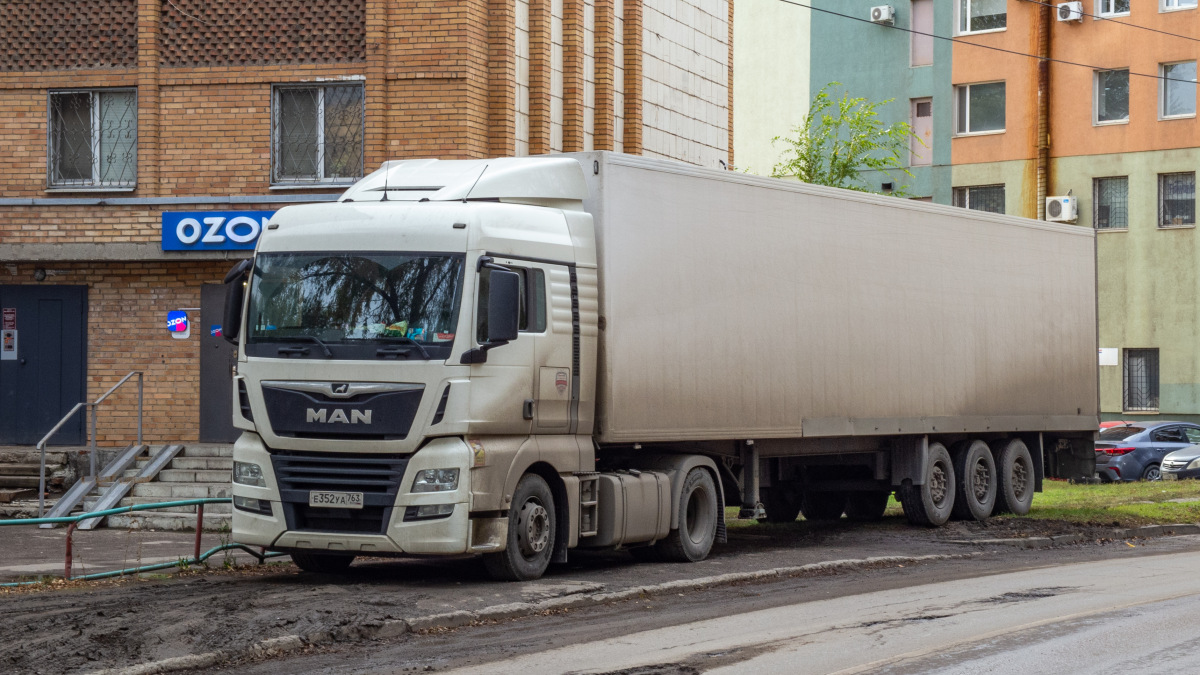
(1111, 197)
(318, 134)
(1141, 380)
(93, 139)
(980, 198)
(1176, 199)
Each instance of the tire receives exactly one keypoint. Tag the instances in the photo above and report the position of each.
(1015, 478)
(866, 507)
(930, 505)
(1152, 472)
(782, 503)
(322, 563)
(699, 513)
(975, 496)
(532, 524)
(823, 506)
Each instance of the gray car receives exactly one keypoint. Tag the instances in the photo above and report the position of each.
(1135, 451)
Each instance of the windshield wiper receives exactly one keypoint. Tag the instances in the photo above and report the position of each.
(324, 347)
(413, 343)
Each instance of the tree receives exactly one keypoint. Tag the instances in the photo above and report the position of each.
(841, 138)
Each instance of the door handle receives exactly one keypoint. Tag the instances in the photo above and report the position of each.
(528, 409)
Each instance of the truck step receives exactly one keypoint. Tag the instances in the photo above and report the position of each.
(170, 521)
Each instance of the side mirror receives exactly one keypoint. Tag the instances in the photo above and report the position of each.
(504, 306)
(235, 295)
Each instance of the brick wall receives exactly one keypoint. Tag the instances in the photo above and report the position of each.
(127, 306)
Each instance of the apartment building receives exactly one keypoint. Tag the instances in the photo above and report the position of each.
(146, 142)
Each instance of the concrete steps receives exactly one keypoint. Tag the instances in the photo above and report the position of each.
(197, 472)
(19, 467)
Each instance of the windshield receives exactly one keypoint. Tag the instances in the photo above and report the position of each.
(354, 305)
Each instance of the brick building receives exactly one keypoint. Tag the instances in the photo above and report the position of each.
(145, 140)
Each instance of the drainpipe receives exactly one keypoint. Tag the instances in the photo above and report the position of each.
(1043, 108)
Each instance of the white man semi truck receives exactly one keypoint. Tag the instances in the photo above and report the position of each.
(518, 357)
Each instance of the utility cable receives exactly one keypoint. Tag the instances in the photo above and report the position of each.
(1100, 17)
(976, 44)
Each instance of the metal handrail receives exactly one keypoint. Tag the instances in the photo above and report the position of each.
(91, 407)
(196, 558)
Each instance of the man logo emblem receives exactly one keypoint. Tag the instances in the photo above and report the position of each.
(341, 388)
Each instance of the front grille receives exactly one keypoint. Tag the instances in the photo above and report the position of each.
(377, 477)
(1172, 464)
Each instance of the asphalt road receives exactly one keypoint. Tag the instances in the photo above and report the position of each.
(1082, 608)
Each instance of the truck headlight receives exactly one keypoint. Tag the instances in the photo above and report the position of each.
(246, 473)
(1194, 464)
(436, 480)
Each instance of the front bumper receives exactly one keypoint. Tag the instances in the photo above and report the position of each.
(1181, 474)
(443, 535)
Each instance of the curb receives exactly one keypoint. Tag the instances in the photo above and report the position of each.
(1117, 533)
(391, 628)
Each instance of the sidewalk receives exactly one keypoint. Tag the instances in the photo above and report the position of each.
(29, 551)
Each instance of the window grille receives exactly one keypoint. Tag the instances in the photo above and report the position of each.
(1176, 199)
(988, 198)
(1141, 380)
(318, 134)
(1111, 197)
(93, 139)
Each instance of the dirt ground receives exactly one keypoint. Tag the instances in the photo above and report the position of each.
(88, 626)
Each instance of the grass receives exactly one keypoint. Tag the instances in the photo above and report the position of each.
(1116, 504)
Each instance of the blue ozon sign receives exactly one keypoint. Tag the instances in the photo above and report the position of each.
(212, 230)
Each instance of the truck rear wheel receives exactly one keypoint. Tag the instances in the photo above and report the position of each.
(823, 505)
(930, 504)
(975, 495)
(322, 563)
(1015, 473)
(866, 506)
(531, 528)
(698, 518)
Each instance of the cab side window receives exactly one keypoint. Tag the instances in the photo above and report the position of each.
(532, 318)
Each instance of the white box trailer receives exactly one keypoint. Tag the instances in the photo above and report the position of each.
(517, 357)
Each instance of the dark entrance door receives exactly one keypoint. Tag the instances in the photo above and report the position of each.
(44, 378)
(216, 370)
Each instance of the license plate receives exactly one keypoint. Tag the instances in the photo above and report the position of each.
(336, 500)
(1169, 476)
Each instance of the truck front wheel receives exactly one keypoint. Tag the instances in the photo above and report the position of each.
(531, 528)
(930, 504)
(322, 563)
(698, 518)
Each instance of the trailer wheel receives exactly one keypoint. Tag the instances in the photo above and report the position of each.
(975, 495)
(1015, 471)
(698, 518)
(866, 506)
(930, 504)
(782, 502)
(322, 563)
(823, 505)
(531, 528)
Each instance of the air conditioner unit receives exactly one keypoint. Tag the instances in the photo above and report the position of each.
(885, 14)
(1062, 209)
(1070, 11)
